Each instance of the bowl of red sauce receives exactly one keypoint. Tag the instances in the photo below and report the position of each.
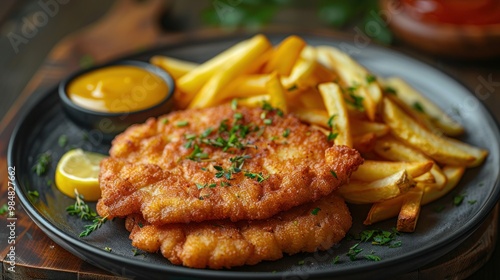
(111, 97)
(452, 28)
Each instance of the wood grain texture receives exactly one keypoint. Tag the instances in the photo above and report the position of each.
(39, 257)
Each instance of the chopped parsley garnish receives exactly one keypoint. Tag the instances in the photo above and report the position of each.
(286, 133)
(203, 197)
(108, 249)
(395, 244)
(353, 99)
(200, 186)
(259, 177)
(332, 136)
(268, 121)
(375, 237)
(370, 78)
(236, 166)
(266, 106)
(333, 128)
(197, 154)
(42, 164)
(238, 116)
(330, 122)
(62, 141)
(471, 202)
(336, 260)
(33, 194)
(301, 262)
(4, 209)
(458, 199)
(181, 123)
(418, 107)
(378, 237)
(164, 121)
(372, 257)
(354, 251)
(334, 174)
(137, 252)
(234, 104)
(206, 185)
(315, 211)
(292, 88)
(390, 90)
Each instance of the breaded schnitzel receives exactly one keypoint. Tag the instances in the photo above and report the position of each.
(224, 244)
(220, 163)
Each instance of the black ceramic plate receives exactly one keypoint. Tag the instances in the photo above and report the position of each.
(437, 233)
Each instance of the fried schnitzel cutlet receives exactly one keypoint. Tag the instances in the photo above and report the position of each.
(220, 163)
(224, 244)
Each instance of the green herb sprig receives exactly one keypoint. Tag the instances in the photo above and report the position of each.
(81, 209)
(42, 164)
(84, 212)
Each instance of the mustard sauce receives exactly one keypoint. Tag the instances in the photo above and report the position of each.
(117, 89)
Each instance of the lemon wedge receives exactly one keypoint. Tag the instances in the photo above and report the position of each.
(78, 169)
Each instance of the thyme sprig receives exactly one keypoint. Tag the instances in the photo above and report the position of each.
(84, 212)
(96, 224)
(81, 209)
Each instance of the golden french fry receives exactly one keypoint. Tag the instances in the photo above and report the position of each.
(336, 108)
(276, 93)
(300, 76)
(410, 210)
(453, 176)
(313, 116)
(359, 127)
(245, 86)
(415, 115)
(208, 95)
(370, 192)
(442, 149)
(309, 99)
(391, 208)
(254, 101)
(285, 55)
(427, 178)
(372, 170)
(175, 67)
(364, 143)
(358, 81)
(191, 83)
(426, 108)
(393, 149)
(384, 210)
(309, 53)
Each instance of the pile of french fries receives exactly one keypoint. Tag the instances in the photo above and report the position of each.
(410, 159)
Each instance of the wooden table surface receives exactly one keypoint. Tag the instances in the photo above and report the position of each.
(38, 257)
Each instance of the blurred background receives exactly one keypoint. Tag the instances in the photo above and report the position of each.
(43, 41)
(31, 29)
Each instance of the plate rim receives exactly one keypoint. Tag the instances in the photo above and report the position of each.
(471, 225)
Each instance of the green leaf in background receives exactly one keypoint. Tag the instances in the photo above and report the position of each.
(242, 13)
(337, 13)
(252, 14)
